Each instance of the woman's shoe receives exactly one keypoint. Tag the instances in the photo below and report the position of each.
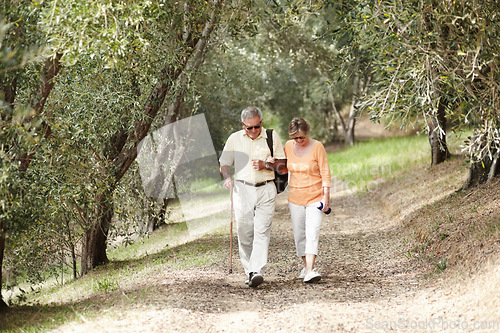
(312, 277)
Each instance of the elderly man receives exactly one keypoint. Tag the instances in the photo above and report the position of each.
(254, 189)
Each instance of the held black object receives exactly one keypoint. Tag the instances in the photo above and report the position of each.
(321, 207)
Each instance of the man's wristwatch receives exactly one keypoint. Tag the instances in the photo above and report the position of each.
(267, 166)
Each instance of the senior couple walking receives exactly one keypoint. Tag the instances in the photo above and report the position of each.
(254, 192)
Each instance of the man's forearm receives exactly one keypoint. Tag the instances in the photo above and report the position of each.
(225, 171)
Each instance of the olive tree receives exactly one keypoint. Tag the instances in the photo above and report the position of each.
(319, 42)
(436, 62)
(26, 68)
(146, 44)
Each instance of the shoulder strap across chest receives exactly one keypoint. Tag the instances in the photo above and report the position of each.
(269, 133)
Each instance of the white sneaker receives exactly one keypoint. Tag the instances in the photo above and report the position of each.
(302, 273)
(312, 276)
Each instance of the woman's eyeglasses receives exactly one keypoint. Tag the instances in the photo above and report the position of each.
(299, 138)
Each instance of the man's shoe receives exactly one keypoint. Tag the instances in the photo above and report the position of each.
(302, 274)
(255, 279)
(312, 277)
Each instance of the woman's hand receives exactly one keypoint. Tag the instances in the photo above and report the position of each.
(326, 199)
(270, 159)
(326, 205)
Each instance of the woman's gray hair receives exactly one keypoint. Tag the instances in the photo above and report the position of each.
(250, 112)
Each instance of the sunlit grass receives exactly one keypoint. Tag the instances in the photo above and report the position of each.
(105, 284)
(207, 185)
(170, 235)
(376, 159)
(370, 160)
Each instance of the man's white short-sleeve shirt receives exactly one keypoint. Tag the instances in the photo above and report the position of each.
(240, 150)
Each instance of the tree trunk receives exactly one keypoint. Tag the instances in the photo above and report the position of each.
(482, 171)
(347, 129)
(122, 151)
(157, 219)
(73, 262)
(94, 238)
(162, 213)
(71, 246)
(3, 305)
(50, 70)
(359, 88)
(349, 135)
(436, 127)
(351, 123)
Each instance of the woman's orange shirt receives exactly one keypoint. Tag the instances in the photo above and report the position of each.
(308, 174)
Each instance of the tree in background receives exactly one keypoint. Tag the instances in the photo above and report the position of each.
(349, 68)
(411, 54)
(277, 64)
(130, 55)
(436, 62)
(146, 44)
(331, 68)
(23, 93)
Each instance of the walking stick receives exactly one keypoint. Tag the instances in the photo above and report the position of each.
(231, 234)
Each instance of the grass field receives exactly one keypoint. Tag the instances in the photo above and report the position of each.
(377, 159)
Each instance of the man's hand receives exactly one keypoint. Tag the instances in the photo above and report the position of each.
(228, 183)
(225, 171)
(258, 165)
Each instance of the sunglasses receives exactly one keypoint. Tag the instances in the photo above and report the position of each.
(299, 138)
(251, 127)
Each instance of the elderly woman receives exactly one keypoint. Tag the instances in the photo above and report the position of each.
(309, 189)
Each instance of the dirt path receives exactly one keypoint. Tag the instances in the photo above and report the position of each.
(368, 284)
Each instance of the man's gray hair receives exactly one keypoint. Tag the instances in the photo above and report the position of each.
(250, 112)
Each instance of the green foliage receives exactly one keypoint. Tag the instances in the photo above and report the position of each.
(16, 121)
(67, 172)
(124, 28)
(20, 40)
(276, 66)
(113, 53)
(425, 52)
(16, 138)
(22, 214)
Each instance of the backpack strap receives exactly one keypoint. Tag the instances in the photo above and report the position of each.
(270, 140)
